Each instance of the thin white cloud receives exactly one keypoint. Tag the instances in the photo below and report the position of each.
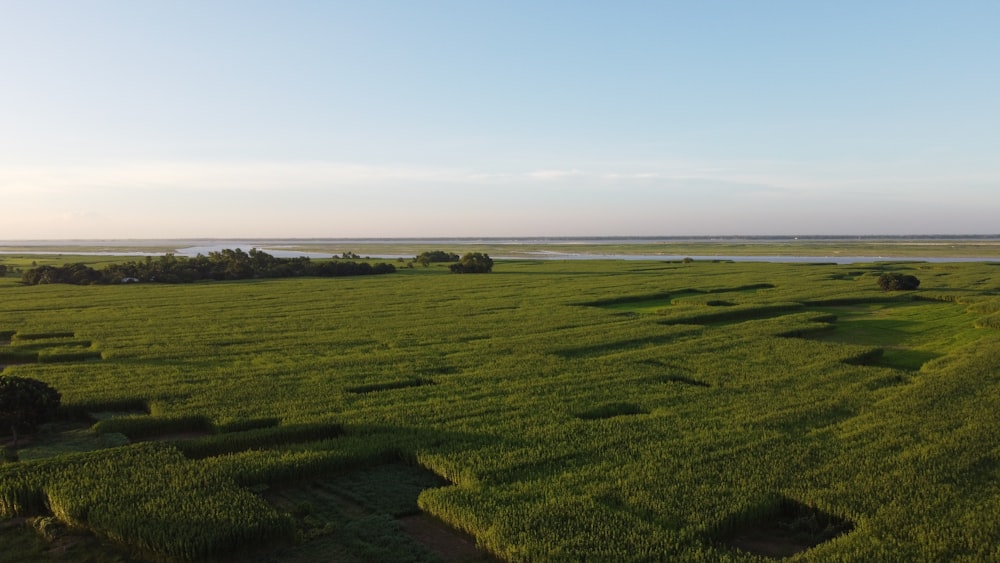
(155, 175)
(554, 174)
(22, 184)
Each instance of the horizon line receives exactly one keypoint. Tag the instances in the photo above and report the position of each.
(494, 238)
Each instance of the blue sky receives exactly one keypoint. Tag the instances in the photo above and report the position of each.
(123, 119)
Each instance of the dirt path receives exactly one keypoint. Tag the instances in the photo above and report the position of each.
(452, 546)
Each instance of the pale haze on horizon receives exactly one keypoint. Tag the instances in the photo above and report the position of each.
(184, 119)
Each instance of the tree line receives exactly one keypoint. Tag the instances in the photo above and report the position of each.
(227, 264)
(470, 263)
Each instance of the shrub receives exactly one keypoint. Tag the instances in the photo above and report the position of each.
(473, 263)
(893, 281)
(425, 258)
(25, 403)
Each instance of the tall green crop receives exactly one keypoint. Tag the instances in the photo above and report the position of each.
(580, 410)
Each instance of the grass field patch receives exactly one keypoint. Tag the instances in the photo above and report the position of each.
(685, 381)
(263, 365)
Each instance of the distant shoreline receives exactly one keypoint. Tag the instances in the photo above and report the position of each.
(500, 239)
(770, 248)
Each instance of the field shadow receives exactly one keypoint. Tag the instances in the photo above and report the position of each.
(654, 302)
(390, 385)
(781, 528)
(900, 358)
(611, 410)
(722, 315)
(616, 346)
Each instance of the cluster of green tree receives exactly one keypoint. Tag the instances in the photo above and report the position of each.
(473, 263)
(893, 281)
(425, 258)
(227, 264)
(25, 403)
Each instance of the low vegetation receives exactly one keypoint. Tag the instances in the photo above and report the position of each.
(430, 256)
(894, 281)
(226, 264)
(25, 403)
(473, 263)
(573, 410)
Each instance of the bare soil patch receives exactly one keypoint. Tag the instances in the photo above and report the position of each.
(451, 545)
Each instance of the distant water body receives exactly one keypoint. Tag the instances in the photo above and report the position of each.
(782, 259)
(280, 247)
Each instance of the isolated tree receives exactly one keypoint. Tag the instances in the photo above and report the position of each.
(25, 403)
(893, 281)
(425, 258)
(473, 263)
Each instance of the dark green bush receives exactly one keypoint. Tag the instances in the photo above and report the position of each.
(893, 281)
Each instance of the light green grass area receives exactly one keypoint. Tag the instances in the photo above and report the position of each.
(910, 334)
(563, 410)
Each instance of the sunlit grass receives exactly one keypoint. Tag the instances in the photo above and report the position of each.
(579, 409)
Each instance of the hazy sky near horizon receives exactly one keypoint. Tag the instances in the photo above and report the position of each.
(245, 118)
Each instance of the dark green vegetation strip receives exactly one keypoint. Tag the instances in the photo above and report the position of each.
(227, 264)
(556, 431)
(389, 385)
(146, 427)
(611, 410)
(231, 442)
(47, 347)
(43, 335)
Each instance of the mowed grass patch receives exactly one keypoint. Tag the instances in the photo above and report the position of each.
(910, 334)
(57, 439)
(368, 514)
(44, 539)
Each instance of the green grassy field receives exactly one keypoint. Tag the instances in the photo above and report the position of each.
(549, 411)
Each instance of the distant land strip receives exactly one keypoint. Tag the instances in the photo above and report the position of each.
(986, 247)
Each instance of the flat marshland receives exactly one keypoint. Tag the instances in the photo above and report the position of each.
(985, 247)
(548, 411)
